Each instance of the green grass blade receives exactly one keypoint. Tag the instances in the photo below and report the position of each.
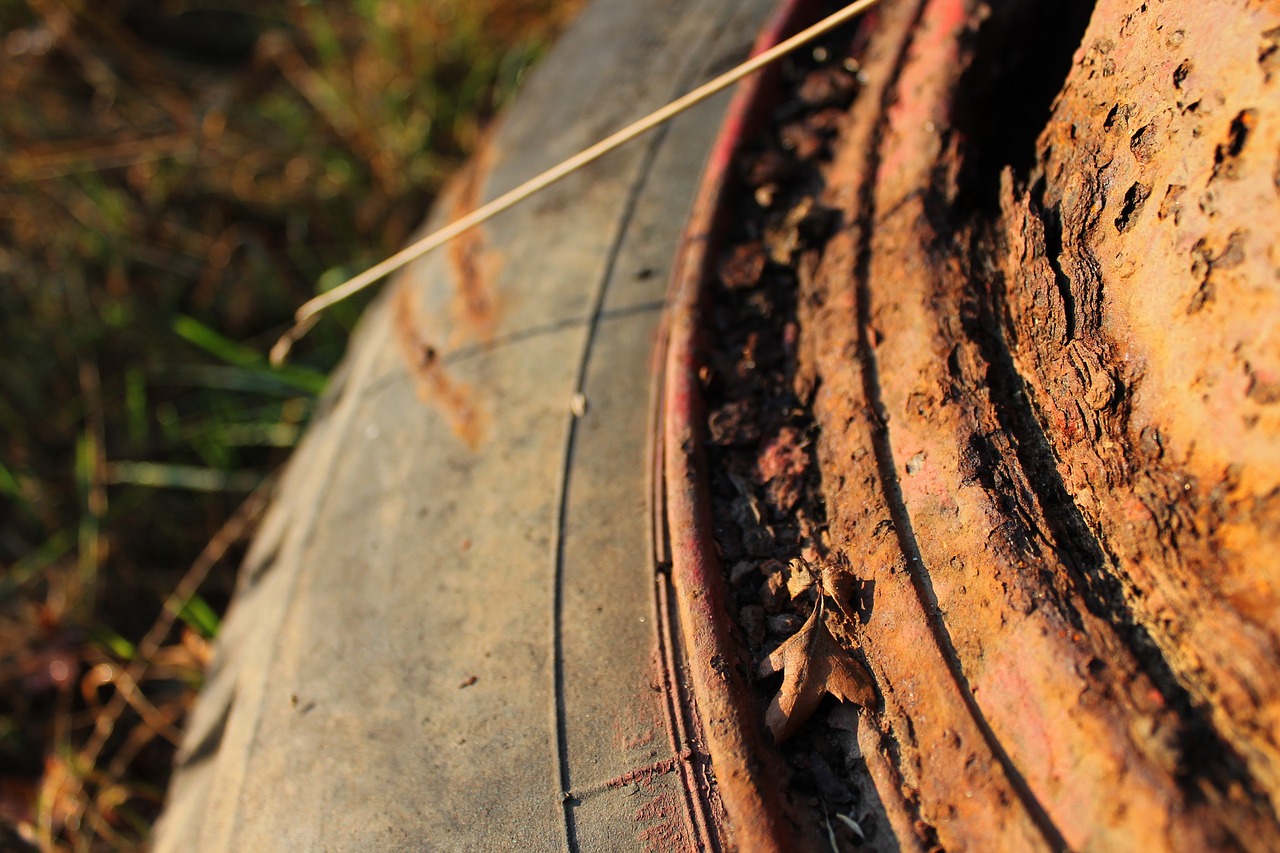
(200, 617)
(190, 477)
(247, 358)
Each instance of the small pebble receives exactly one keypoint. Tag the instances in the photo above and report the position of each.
(784, 623)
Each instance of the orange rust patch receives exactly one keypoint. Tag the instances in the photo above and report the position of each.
(434, 386)
(475, 305)
(644, 775)
(664, 832)
(637, 740)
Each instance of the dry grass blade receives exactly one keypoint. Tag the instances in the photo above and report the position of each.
(235, 529)
(166, 190)
(34, 165)
(307, 313)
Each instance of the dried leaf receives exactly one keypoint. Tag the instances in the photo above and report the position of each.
(800, 578)
(814, 664)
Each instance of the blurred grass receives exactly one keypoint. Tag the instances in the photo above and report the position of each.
(175, 178)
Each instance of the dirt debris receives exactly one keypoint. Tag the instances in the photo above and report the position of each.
(766, 495)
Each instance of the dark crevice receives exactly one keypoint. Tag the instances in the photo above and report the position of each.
(1022, 54)
(1068, 532)
(1226, 156)
(1134, 198)
(1052, 222)
(1024, 51)
(1024, 535)
(1180, 74)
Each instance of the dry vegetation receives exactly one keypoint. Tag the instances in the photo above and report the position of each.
(173, 182)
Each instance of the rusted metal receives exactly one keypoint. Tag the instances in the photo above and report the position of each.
(1009, 351)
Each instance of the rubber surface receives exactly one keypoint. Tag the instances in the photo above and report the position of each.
(445, 633)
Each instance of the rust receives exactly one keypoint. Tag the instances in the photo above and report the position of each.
(455, 400)
(1056, 452)
(1169, 516)
(475, 305)
(644, 775)
(664, 833)
(1058, 481)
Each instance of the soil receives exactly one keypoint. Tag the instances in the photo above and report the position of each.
(765, 482)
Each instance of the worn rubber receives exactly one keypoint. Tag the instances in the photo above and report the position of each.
(445, 633)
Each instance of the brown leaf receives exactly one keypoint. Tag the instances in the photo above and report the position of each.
(800, 578)
(814, 664)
